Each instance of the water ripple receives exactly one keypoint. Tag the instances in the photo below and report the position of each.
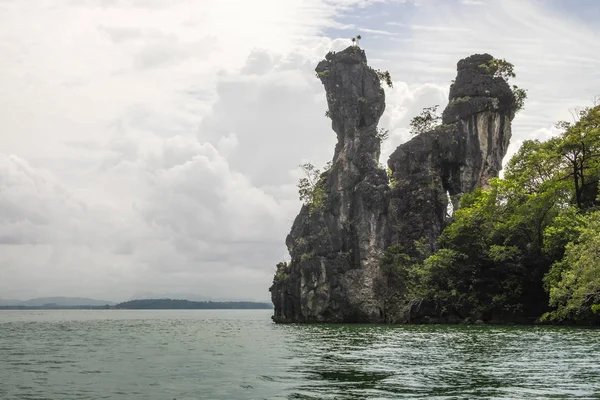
(62, 355)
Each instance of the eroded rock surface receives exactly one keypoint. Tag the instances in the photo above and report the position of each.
(455, 158)
(335, 248)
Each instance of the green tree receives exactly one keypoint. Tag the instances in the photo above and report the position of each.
(533, 166)
(579, 147)
(500, 68)
(382, 134)
(426, 121)
(575, 291)
(492, 256)
(520, 97)
(311, 187)
(384, 76)
(528, 242)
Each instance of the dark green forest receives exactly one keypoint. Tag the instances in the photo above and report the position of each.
(526, 249)
(170, 304)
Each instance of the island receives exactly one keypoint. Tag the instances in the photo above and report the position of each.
(150, 304)
(171, 304)
(436, 236)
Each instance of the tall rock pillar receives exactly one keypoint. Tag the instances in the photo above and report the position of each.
(457, 157)
(335, 246)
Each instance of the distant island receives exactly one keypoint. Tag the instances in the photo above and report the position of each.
(142, 304)
(51, 306)
(59, 301)
(170, 304)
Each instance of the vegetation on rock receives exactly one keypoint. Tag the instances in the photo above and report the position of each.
(525, 247)
(311, 187)
(426, 121)
(384, 76)
(330, 241)
(521, 248)
(382, 134)
(281, 272)
(501, 68)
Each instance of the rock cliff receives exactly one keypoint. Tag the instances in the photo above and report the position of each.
(457, 157)
(336, 245)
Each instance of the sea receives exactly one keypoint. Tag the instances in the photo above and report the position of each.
(231, 354)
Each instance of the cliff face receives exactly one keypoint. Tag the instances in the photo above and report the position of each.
(457, 157)
(336, 246)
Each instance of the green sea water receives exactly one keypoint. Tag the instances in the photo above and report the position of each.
(229, 354)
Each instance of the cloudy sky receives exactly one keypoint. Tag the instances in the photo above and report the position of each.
(151, 146)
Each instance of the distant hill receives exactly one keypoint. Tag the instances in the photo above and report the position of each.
(9, 302)
(56, 301)
(186, 296)
(170, 304)
(172, 295)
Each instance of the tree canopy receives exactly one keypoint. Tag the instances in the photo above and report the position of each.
(426, 121)
(527, 247)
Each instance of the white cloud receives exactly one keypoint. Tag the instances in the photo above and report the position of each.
(153, 146)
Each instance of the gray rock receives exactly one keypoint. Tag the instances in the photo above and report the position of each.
(335, 249)
(457, 157)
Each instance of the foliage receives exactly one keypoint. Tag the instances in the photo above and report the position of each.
(500, 68)
(575, 280)
(458, 100)
(402, 274)
(396, 264)
(579, 151)
(533, 167)
(384, 76)
(393, 181)
(306, 256)
(426, 121)
(528, 245)
(307, 184)
(382, 134)
(394, 260)
(281, 272)
(520, 97)
(311, 187)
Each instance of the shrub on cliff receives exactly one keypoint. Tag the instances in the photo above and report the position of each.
(426, 121)
(501, 68)
(311, 187)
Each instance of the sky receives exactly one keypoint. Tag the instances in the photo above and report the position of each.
(151, 147)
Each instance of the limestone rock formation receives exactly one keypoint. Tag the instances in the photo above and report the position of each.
(335, 246)
(455, 158)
